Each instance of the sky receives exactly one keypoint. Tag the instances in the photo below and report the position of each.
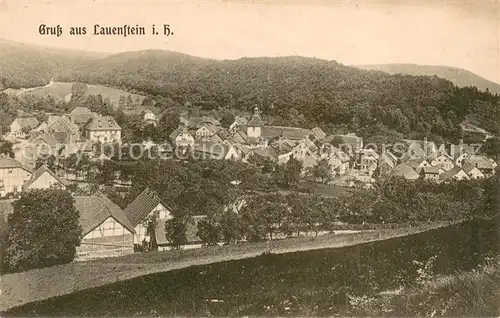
(463, 34)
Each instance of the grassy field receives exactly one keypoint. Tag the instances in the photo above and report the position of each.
(344, 281)
(61, 90)
(21, 288)
(474, 293)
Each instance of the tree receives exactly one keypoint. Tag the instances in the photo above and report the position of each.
(150, 223)
(230, 226)
(6, 149)
(322, 170)
(78, 91)
(491, 147)
(169, 122)
(122, 103)
(129, 103)
(209, 232)
(288, 175)
(50, 162)
(227, 119)
(44, 230)
(175, 231)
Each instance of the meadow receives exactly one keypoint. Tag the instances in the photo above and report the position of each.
(325, 282)
(39, 284)
(62, 91)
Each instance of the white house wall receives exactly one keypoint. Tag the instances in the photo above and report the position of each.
(45, 181)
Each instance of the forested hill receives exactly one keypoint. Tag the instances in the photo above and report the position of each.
(457, 76)
(290, 90)
(23, 65)
(302, 91)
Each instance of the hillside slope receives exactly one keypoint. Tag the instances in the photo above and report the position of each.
(457, 76)
(25, 65)
(299, 91)
(293, 91)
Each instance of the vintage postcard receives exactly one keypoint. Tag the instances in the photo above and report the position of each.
(249, 158)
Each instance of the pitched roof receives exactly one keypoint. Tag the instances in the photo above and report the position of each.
(237, 136)
(96, 208)
(291, 133)
(480, 162)
(198, 121)
(81, 115)
(450, 173)
(66, 121)
(103, 123)
(142, 205)
(414, 163)
(309, 144)
(8, 162)
(80, 110)
(350, 139)
(388, 158)
(27, 122)
(255, 121)
(240, 121)
(52, 139)
(318, 133)
(42, 127)
(210, 127)
(468, 166)
(176, 133)
(457, 150)
(430, 170)
(369, 152)
(438, 153)
(52, 119)
(266, 152)
(282, 146)
(38, 173)
(404, 170)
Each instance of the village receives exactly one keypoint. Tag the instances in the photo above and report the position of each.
(108, 230)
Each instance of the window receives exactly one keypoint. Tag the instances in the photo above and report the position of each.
(10, 171)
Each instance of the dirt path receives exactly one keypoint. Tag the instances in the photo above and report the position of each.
(20, 288)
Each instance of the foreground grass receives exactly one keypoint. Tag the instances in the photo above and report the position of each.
(371, 279)
(474, 293)
(39, 284)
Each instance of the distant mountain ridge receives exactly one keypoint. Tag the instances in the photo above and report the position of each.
(27, 65)
(457, 76)
(293, 90)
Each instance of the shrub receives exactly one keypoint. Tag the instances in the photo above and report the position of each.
(44, 230)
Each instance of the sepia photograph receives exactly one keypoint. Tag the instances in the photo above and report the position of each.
(250, 158)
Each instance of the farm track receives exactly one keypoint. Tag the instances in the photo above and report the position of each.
(21, 288)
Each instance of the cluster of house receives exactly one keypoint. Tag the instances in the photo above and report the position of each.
(424, 160)
(349, 161)
(61, 134)
(245, 139)
(107, 229)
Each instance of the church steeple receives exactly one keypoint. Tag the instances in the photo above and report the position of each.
(254, 126)
(256, 121)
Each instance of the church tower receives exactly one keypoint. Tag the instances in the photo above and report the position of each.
(254, 127)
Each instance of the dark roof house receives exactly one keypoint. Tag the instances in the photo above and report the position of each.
(103, 123)
(96, 209)
(142, 205)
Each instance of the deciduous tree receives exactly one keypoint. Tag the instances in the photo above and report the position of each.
(44, 230)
